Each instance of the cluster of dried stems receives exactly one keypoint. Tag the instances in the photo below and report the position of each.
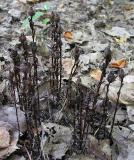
(24, 85)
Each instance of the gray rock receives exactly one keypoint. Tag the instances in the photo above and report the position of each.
(124, 142)
(15, 13)
(92, 58)
(8, 114)
(130, 111)
(132, 126)
(4, 30)
(16, 157)
(118, 32)
(121, 115)
(94, 2)
(56, 140)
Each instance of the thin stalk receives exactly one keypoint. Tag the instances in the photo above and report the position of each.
(16, 110)
(116, 108)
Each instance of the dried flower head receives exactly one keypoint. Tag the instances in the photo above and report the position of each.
(107, 54)
(22, 38)
(52, 17)
(31, 12)
(57, 18)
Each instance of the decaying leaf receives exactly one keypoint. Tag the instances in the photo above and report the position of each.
(128, 7)
(121, 40)
(8, 139)
(121, 63)
(4, 137)
(29, 1)
(110, 2)
(2, 86)
(8, 114)
(96, 74)
(126, 96)
(68, 35)
(101, 150)
(67, 64)
(57, 142)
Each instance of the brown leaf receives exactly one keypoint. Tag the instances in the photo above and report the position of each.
(128, 7)
(67, 64)
(68, 35)
(8, 138)
(29, 1)
(121, 63)
(4, 137)
(96, 74)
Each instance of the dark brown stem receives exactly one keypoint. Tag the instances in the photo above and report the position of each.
(116, 108)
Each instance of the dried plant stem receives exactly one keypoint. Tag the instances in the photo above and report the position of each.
(116, 108)
(29, 156)
(104, 105)
(16, 110)
(98, 88)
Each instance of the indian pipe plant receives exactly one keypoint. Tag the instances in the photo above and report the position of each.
(25, 90)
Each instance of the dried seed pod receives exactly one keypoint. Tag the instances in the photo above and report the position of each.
(57, 18)
(52, 17)
(13, 54)
(31, 12)
(22, 38)
(111, 77)
(108, 54)
(34, 46)
(121, 74)
(78, 81)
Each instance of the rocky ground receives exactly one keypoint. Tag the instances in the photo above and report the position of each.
(92, 25)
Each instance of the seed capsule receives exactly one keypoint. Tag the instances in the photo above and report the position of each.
(121, 74)
(31, 12)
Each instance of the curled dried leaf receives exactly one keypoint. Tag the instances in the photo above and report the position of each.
(68, 35)
(121, 63)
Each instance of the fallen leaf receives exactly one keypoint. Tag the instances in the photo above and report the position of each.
(110, 2)
(121, 63)
(121, 40)
(68, 35)
(128, 7)
(67, 64)
(96, 74)
(29, 1)
(118, 32)
(33, 1)
(10, 136)
(4, 137)
(36, 131)
(23, 1)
